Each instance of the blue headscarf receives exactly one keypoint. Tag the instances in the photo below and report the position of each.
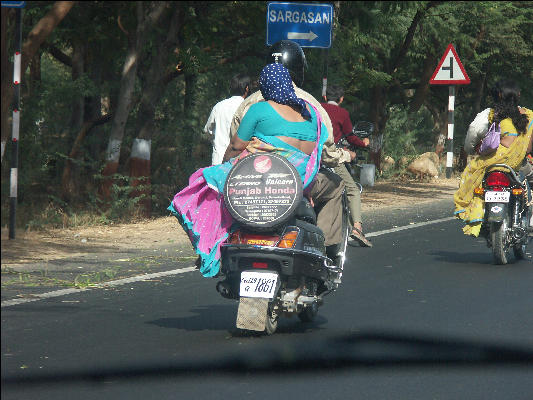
(275, 84)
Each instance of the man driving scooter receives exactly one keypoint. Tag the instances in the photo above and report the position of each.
(326, 192)
(342, 127)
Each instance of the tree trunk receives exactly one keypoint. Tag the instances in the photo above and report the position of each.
(379, 117)
(35, 74)
(35, 38)
(153, 86)
(7, 79)
(127, 85)
(67, 184)
(479, 93)
(71, 180)
(378, 108)
(422, 89)
(189, 102)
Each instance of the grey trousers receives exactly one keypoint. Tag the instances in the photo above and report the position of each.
(352, 192)
(327, 196)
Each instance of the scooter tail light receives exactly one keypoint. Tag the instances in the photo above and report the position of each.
(257, 239)
(497, 179)
(288, 239)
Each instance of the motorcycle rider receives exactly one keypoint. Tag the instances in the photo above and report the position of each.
(326, 192)
(342, 126)
(516, 126)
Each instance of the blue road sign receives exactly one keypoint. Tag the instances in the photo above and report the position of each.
(309, 25)
(14, 4)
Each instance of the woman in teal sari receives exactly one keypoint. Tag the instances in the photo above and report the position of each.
(283, 124)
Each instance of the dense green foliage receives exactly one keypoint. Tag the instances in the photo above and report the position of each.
(381, 55)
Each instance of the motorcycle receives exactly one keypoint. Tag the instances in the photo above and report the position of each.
(275, 263)
(507, 213)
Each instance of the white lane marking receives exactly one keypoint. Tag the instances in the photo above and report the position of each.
(117, 282)
(402, 228)
(138, 278)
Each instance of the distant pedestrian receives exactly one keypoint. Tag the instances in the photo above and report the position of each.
(219, 121)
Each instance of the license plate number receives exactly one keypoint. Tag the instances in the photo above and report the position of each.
(258, 284)
(497, 197)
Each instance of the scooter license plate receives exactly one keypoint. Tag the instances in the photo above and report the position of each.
(497, 197)
(258, 284)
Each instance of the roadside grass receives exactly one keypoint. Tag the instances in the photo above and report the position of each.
(127, 268)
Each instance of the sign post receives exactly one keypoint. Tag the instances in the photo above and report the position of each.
(309, 25)
(13, 180)
(450, 71)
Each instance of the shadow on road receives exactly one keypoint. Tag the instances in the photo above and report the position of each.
(218, 317)
(463, 258)
(477, 259)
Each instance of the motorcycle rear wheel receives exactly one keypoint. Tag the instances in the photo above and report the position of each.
(519, 249)
(500, 241)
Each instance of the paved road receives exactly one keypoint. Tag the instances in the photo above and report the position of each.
(418, 287)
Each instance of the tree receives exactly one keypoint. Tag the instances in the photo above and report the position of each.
(146, 20)
(31, 45)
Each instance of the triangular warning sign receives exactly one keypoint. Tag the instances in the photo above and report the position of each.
(450, 71)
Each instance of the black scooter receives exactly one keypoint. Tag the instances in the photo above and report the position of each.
(275, 263)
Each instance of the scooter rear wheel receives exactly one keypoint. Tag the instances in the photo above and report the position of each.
(271, 324)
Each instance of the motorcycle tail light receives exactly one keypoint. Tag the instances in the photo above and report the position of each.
(518, 192)
(288, 239)
(479, 191)
(498, 179)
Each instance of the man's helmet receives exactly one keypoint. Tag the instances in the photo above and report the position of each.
(291, 55)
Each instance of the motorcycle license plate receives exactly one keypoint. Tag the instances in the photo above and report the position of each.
(258, 284)
(497, 197)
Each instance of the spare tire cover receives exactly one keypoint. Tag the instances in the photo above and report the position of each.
(262, 190)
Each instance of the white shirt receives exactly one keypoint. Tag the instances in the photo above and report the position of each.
(218, 126)
(476, 131)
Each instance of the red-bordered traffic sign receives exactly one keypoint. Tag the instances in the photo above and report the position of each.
(450, 70)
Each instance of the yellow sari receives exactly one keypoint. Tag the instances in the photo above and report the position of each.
(469, 207)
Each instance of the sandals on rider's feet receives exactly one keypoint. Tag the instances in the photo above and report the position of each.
(358, 235)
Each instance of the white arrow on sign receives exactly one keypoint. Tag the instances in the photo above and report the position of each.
(302, 35)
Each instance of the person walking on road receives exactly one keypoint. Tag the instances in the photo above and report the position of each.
(342, 126)
(219, 121)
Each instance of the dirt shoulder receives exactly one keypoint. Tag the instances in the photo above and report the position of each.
(42, 261)
(55, 244)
